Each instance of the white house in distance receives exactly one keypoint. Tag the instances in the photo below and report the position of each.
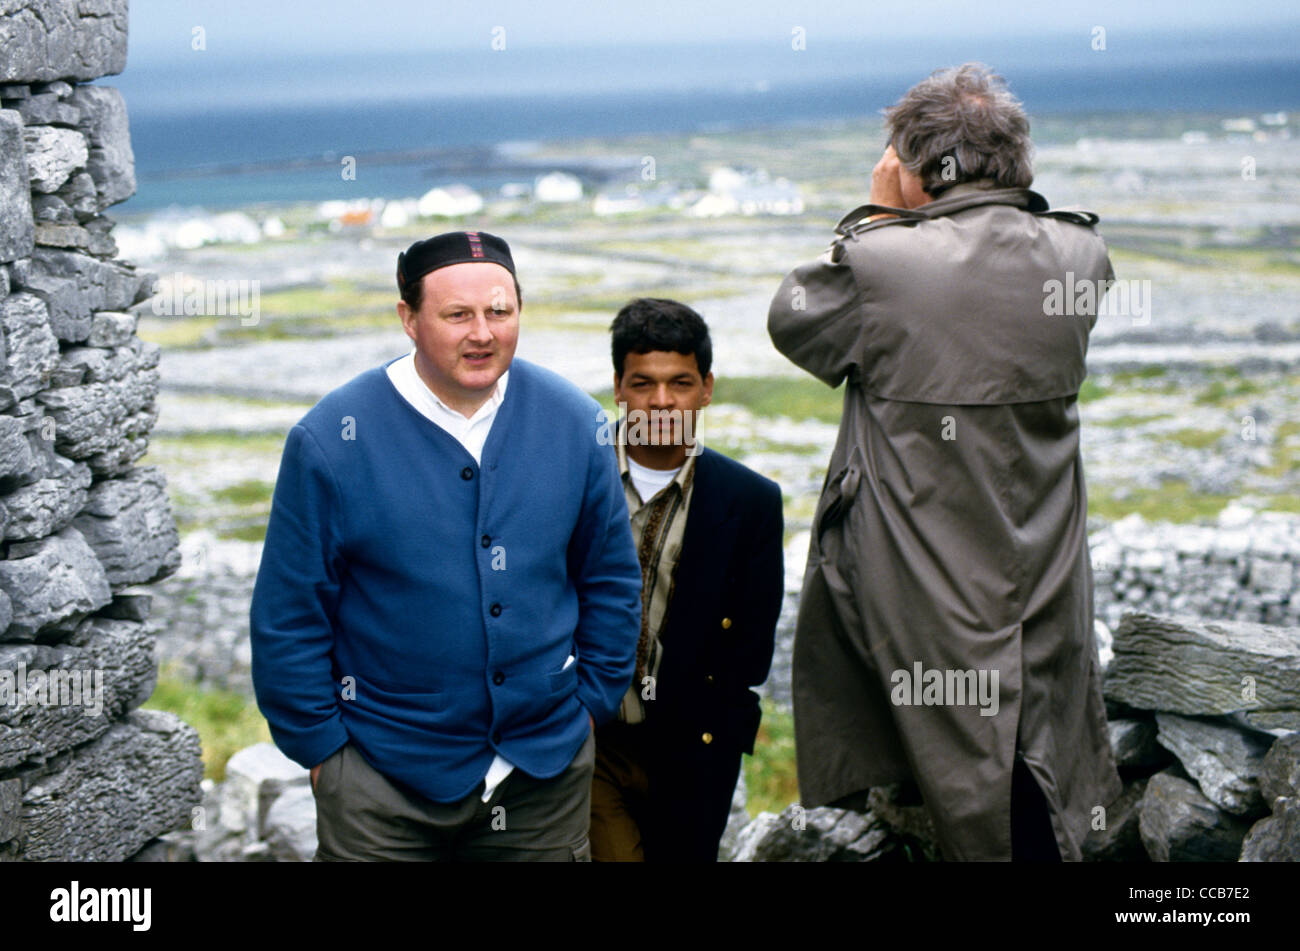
(631, 198)
(449, 201)
(189, 229)
(777, 197)
(398, 212)
(726, 179)
(747, 192)
(556, 187)
(618, 203)
(235, 227)
(714, 205)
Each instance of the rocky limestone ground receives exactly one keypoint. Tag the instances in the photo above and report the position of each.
(1210, 765)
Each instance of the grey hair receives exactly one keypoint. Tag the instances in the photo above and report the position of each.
(961, 124)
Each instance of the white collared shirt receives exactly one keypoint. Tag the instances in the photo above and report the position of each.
(472, 433)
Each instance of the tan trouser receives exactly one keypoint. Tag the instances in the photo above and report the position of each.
(619, 795)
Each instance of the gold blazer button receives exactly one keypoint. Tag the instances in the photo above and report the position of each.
(707, 738)
(726, 623)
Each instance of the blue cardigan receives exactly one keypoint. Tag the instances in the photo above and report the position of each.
(422, 607)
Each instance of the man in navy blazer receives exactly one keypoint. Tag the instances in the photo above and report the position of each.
(708, 532)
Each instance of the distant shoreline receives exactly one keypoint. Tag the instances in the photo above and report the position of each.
(249, 180)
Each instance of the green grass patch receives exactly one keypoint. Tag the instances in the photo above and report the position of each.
(1197, 438)
(1128, 419)
(606, 304)
(1284, 503)
(248, 492)
(183, 500)
(178, 332)
(792, 397)
(314, 328)
(333, 298)
(1286, 455)
(770, 774)
(1092, 390)
(1146, 373)
(222, 440)
(234, 529)
(1278, 262)
(1221, 392)
(1286, 430)
(1173, 501)
(799, 510)
(251, 532)
(747, 447)
(1138, 247)
(227, 721)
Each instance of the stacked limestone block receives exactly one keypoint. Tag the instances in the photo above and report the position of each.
(1245, 567)
(1204, 718)
(83, 773)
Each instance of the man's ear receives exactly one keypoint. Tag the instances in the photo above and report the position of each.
(407, 317)
(708, 389)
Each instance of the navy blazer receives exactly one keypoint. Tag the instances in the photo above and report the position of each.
(720, 628)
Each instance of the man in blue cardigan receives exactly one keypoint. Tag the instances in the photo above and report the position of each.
(449, 595)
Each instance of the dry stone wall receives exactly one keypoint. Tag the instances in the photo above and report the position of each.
(1243, 567)
(84, 774)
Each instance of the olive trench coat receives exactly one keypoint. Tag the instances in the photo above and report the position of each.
(946, 620)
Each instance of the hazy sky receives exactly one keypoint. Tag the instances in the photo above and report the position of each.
(258, 53)
(330, 65)
(162, 29)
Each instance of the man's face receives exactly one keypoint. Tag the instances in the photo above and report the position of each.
(664, 380)
(465, 331)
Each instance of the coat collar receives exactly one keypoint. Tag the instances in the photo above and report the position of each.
(982, 192)
(957, 198)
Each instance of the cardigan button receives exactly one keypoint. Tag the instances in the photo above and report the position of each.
(707, 738)
(485, 541)
(498, 678)
(467, 473)
(708, 678)
(495, 610)
(726, 623)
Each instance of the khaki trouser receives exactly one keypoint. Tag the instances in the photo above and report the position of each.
(620, 792)
(362, 816)
(672, 807)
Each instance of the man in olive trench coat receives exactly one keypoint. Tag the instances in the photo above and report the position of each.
(946, 619)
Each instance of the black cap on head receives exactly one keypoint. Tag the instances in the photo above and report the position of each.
(454, 247)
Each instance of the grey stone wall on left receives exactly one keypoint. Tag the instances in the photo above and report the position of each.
(84, 774)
